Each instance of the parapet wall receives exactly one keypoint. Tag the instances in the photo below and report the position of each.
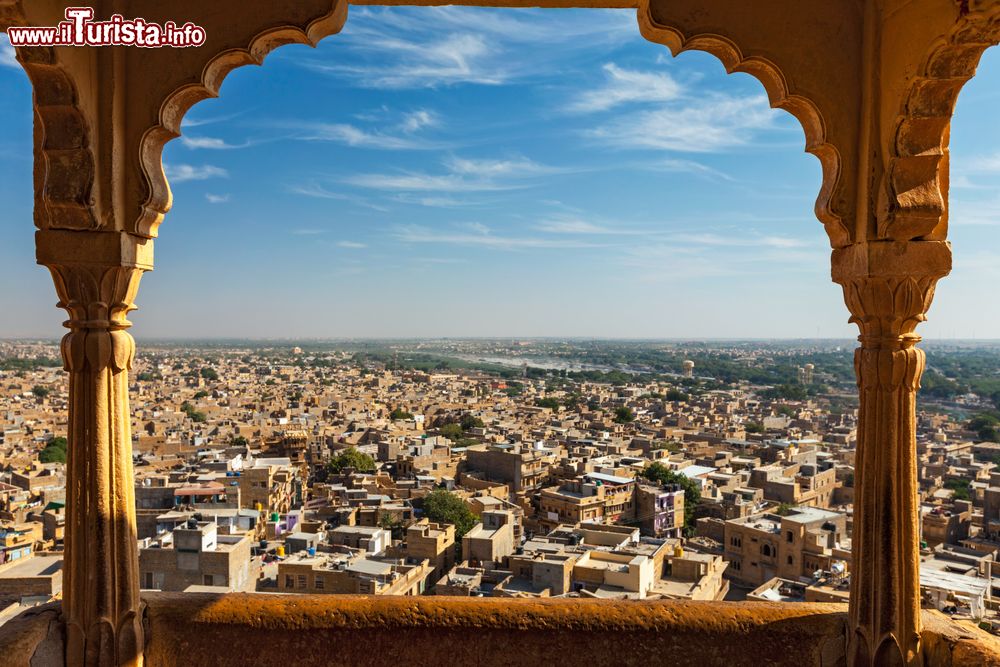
(306, 630)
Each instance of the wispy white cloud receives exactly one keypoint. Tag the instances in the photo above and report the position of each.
(211, 143)
(976, 173)
(625, 86)
(8, 57)
(435, 202)
(975, 211)
(452, 59)
(351, 245)
(189, 122)
(480, 235)
(216, 199)
(418, 120)
(461, 175)
(674, 165)
(423, 182)
(316, 190)
(313, 189)
(511, 168)
(179, 173)
(989, 164)
(708, 239)
(710, 124)
(350, 135)
(572, 226)
(444, 46)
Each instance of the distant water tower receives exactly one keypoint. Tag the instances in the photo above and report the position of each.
(688, 368)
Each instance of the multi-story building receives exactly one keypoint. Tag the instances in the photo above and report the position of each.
(522, 469)
(660, 510)
(352, 572)
(431, 542)
(490, 540)
(365, 538)
(195, 555)
(592, 497)
(270, 485)
(800, 543)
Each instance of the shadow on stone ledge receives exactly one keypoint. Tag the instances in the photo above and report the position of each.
(260, 629)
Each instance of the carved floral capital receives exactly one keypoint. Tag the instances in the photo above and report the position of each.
(97, 299)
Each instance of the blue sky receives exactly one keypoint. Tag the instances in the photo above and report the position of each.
(512, 173)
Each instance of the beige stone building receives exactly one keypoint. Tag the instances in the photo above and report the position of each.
(800, 543)
(352, 573)
(195, 555)
(491, 540)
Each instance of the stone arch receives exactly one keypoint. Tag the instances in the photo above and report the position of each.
(177, 103)
(64, 168)
(779, 95)
(913, 200)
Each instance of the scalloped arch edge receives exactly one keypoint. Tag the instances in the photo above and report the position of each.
(779, 96)
(179, 102)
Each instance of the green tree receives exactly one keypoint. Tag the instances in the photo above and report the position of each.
(451, 431)
(55, 451)
(40, 391)
(754, 427)
(986, 426)
(660, 474)
(193, 415)
(961, 487)
(784, 509)
(624, 415)
(350, 458)
(400, 413)
(442, 506)
(677, 395)
(209, 374)
(549, 402)
(471, 421)
(240, 441)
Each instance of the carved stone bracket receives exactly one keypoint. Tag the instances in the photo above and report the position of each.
(913, 201)
(888, 289)
(97, 277)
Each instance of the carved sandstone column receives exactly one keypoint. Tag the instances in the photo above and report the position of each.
(97, 277)
(888, 288)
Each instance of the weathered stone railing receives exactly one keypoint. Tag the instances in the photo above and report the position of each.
(304, 630)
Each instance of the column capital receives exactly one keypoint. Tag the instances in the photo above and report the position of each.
(96, 275)
(889, 287)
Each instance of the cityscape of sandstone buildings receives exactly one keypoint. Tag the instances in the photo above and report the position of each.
(874, 86)
(234, 490)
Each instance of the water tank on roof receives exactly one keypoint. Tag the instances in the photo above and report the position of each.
(311, 551)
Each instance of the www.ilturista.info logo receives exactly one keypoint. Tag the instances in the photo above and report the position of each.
(79, 29)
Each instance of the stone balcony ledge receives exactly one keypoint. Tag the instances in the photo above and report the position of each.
(305, 630)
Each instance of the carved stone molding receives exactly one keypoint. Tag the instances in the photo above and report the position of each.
(913, 201)
(101, 605)
(888, 288)
(179, 101)
(64, 163)
(779, 94)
